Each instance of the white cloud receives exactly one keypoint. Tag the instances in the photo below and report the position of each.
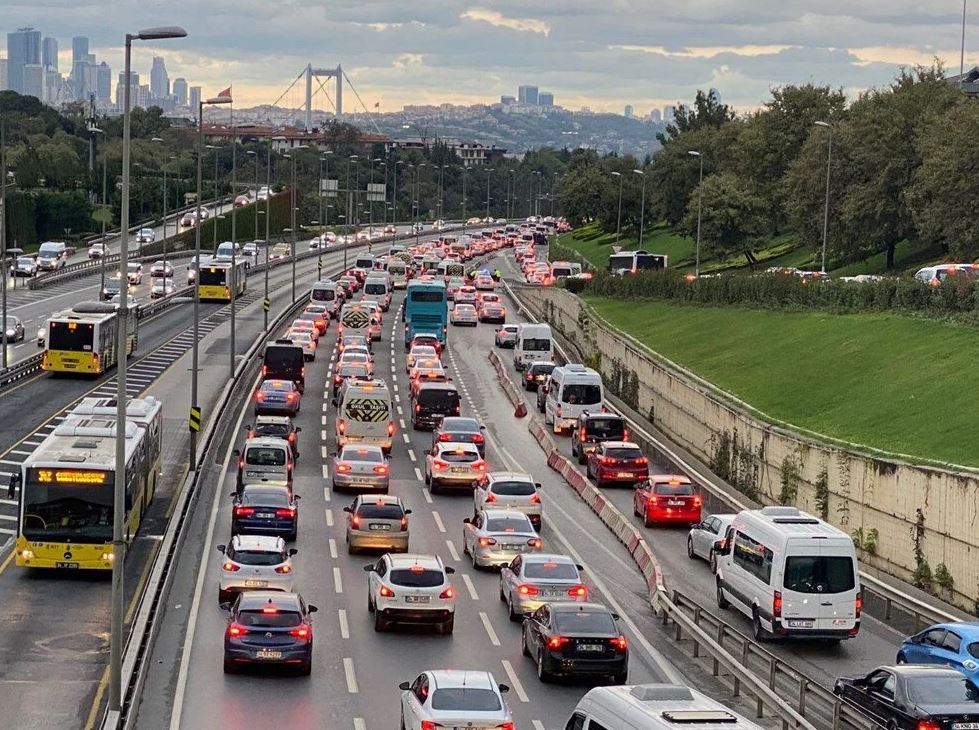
(531, 25)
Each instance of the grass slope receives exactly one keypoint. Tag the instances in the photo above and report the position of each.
(596, 246)
(895, 383)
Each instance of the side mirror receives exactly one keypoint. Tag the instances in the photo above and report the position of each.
(225, 605)
(220, 548)
(407, 511)
(296, 497)
(721, 547)
(347, 509)
(298, 429)
(449, 570)
(537, 485)
(467, 520)
(482, 427)
(504, 688)
(234, 494)
(312, 609)
(579, 567)
(368, 568)
(404, 686)
(293, 551)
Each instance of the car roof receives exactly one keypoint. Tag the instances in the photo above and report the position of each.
(273, 421)
(457, 446)
(429, 385)
(497, 514)
(276, 384)
(377, 499)
(512, 476)
(475, 678)
(370, 447)
(406, 560)
(920, 670)
(968, 629)
(620, 445)
(252, 600)
(601, 414)
(265, 543)
(267, 441)
(453, 423)
(547, 558)
(575, 607)
(265, 488)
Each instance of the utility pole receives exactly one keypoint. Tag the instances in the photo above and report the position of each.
(234, 234)
(3, 230)
(489, 174)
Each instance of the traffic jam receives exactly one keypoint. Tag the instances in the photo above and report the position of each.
(568, 633)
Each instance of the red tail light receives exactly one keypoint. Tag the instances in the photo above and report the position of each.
(381, 469)
(429, 725)
(302, 371)
(444, 437)
(342, 426)
(286, 512)
(457, 409)
(478, 438)
(439, 465)
(302, 632)
(236, 630)
(292, 437)
(578, 591)
(343, 467)
(697, 501)
(777, 605)
(355, 521)
(386, 592)
(230, 567)
(625, 434)
(259, 396)
(858, 606)
(929, 725)
(556, 642)
(291, 397)
(642, 461)
(582, 434)
(620, 643)
(535, 498)
(265, 370)
(486, 541)
(404, 524)
(490, 497)
(535, 542)
(479, 465)
(283, 569)
(448, 593)
(390, 428)
(244, 511)
(525, 590)
(608, 460)
(417, 408)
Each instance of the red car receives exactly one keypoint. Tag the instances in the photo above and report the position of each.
(617, 462)
(667, 498)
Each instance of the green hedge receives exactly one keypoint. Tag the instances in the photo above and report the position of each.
(955, 296)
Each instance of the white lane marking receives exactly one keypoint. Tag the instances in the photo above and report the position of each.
(333, 548)
(515, 681)
(469, 586)
(359, 724)
(325, 406)
(348, 670)
(344, 627)
(405, 437)
(327, 495)
(323, 420)
(400, 411)
(397, 398)
(326, 470)
(538, 725)
(403, 424)
(329, 517)
(323, 435)
(490, 631)
(323, 452)
(418, 474)
(195, 607)
(337, 581)
(438, 521)
(411, 455)
(395, 387)
(452, 550)
(428, 495)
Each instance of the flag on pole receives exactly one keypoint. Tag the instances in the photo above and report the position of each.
(225, 93)
(377, 105)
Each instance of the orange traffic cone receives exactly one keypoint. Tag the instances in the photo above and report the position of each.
(521, 410)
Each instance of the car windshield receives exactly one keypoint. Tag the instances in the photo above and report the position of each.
(384, 510)
(265, 498)
(508, 524)
(266, 619)
(359, 453)
(943, 690)
(257, 557)
(581, 393)
(670, 490)
(623, 453)
(465, 699)
(584, 622)
(513, 489)
(550, 571)
(25, 262)
(606, 428)
(823, 574)
(416, 577)
(265, 456)
(351, 371)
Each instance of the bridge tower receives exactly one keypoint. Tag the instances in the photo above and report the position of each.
(335, 73)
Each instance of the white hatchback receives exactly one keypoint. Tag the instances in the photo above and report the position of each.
(500, 489)
(254, 562)
(453, 698)
(411, 589)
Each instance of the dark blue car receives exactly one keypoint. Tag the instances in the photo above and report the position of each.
(277, 398)
(265, 509)
(269, 627)
(953, 644)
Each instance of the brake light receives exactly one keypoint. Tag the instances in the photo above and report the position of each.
(444, 437)
(244, 511)
(653, 500)
(291, 396)
(697, 501)
(620, 643)
(525, 590)
(286, 512)
(535, 542)
(381, 469)
(642, 461)
(607, 460)
(302, 632)
(283, 569)
(490, 497)
(439, 464)
(625, 434)
(448, 593)
(556, 642)
(777, 605)
(457, 409)
(292, 436)
(265, 370)
(390, 428)
(928, 725)
(355, 521)
(302, 371)
(236, 630)
(230, 567)
(858, 606)
(259, 396)
(535, 498)
(478, 438)
(404, 524)
(479, 465)
(428, 725)
(578, 591)
(582, 434)
(342, 426)
(386, 592)
(486, 541)
(417, 408)
(343, 467)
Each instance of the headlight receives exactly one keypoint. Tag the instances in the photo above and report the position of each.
(11, 333)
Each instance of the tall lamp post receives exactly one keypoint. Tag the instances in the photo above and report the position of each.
(159, 140)
(829, 162)
(3, 233)
(294, 202)
(618, 225)
(489, 174)
(642, 205)
(268, 216)
(350, 203)
(540, 187)
(215, 148)
(394, 194)
(463, 197)
(119, 490)
(700, 207)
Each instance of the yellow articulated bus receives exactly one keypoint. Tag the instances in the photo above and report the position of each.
(83, 339)
(217, 278)
(68, 485)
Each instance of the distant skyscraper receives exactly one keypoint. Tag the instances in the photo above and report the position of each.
(159, 80)
(180, 91)
(507, 99)
(3, 74)
(103, 83)
(655, 115)
(667, 113)
(79, 48)
(34, 81)
(528, 94)
(49, 53)
(121, 90)
(142, 97)
(545, 98)
(630, 112)
(195, 98)
(23, 48)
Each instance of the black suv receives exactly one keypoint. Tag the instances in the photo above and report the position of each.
(595, 428)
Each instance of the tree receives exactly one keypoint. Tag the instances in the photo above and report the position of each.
(733, 218)
(707, 111)
(674, 173)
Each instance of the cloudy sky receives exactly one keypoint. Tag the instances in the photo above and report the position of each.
(597, 53)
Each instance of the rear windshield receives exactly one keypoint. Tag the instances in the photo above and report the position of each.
(457, 457)
(622, 453)
(257, 557)
(607, 428)
(538, 368)
(819, 574)
(508, 524)
(550, 571)
(943, 691)
(265, 456)
(673, 489)
(375, 289)
(416, 578)
(581, 394)
(381, 511)
(430, 295)
(514, 489)
(535, 344)
(278, 620)
(437, 398)
(354, 453)
(283, 357)
(584, 622)
(277, 498)
(465, 699)
(353, 370)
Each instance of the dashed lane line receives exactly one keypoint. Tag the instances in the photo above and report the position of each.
(470, 587)
(515, 681)
(348, 671)
(337, 581)
(452, 550)
(329, 517)
(333, 548)
(490, 631)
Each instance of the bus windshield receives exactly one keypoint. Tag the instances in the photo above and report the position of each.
(72, 336)
(76, 509)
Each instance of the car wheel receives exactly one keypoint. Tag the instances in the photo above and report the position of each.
(713, 562)
(351, 550)
(306, 669)
(370, 604)
(901, 659)
(621, 677)
(229, 666)
(542, 674)
(523, 642)
(722, 602)
(472, 554)
(380, 624)
(514, 616)
(690, 552)
(757, 630)
(446, 628)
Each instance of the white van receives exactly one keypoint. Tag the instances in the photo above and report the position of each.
(378, 288)
(791, 573)
(398, 271)
(52, 255)
(571, 390)
(364, 414)
(446, 269)
(652, 707)
(364, 261)
(265, 460)
(325, 293)
(534, 342)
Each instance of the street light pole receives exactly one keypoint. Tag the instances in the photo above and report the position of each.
(829, 162)
(489, 174)
(618, 225)
(122, 326)
(3, 231)
(642, 205)
(464, 197)
(268, 215)
(350, 204)
(700, 207)
(234, 234)
(394, 195)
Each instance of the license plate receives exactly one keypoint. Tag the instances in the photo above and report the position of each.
(965, 726)
(361, 480)
(66, 565)
(846, 622)
(458, 470)
(268, 654)
(254, 473)
(799, 623)
(551, 594)
(510, 546)
(265, 515)
(675, 503)
(416, 599)
(625, 473)
(590, 647)
(380, 526)
(256, 583)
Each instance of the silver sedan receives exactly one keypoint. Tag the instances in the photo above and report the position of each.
(464, 314)
(496, 536)
(362, 467)
(530, 581)
(703, 535)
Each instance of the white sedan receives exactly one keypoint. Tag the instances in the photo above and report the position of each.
(464, 314)
(445, 698)
(703, 535)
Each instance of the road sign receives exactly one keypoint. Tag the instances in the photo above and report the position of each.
(266, 304)
(195, 418)
(329, 188)
(376, 192)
